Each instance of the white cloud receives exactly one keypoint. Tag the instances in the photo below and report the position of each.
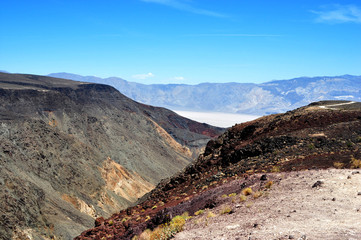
(143, 76)
(185, 6)
(179, 78)
(338, 14)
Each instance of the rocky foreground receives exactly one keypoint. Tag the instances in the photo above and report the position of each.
(314, 204)
(319, 136)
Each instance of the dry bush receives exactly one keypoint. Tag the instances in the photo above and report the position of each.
(276, 169)
(225, 210)
(355, 163)
(269, 184)
(338, 165)
(242, 198)
(199, 212)
(210, 214)
(257, 194)
(168, 230)
(247, 191)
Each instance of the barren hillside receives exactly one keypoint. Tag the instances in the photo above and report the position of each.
(72, 151)
(295, 145)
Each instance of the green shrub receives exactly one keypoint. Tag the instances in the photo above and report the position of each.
(199, 212)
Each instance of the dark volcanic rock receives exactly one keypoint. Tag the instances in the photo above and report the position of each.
(317, 136)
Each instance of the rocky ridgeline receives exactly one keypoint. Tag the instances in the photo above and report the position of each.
(318, 136)
(71, 152)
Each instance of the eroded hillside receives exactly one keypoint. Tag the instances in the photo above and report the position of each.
(319, 136)
(71, 152)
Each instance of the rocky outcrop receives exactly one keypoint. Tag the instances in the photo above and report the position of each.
(71, 152)
(317, 136)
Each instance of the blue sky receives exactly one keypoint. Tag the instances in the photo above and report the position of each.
(182, 41)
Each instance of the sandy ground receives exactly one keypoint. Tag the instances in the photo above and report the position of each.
(290, 209)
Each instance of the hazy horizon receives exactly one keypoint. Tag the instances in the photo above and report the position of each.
(218, 119)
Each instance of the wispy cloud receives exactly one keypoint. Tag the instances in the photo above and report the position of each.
(233, 35)
(338, 14)
(185, 5)
(178, 78)
(143, 76)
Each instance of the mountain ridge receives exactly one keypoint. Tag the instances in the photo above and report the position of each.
(73, 151)
(275, 96)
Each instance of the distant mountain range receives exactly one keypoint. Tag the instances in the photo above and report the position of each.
(246, 98)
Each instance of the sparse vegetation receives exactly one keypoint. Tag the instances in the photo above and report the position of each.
(168, 230)
(242, 198)
(338, 165)
(355, 163)
(210, 214)
(257, 194)
(199, 212)
(247, 191)
(232, 195)
(249, 205)
(275, 169)
(226, 210)
(269, 184)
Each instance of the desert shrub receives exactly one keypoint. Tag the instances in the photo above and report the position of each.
(232, 195)
(199, 212)
(168, 230)
(224, 196)
(355, 163)
(210, 214)
(242, 198)
(275, 169)
(338, 165)
(110, 222)
(247, 191)
(225, 210)
(257, 194)
(177, 223)
(154, 207)
(269, 184)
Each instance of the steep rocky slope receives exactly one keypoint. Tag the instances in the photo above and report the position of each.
(318, 136)
(72, 151)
